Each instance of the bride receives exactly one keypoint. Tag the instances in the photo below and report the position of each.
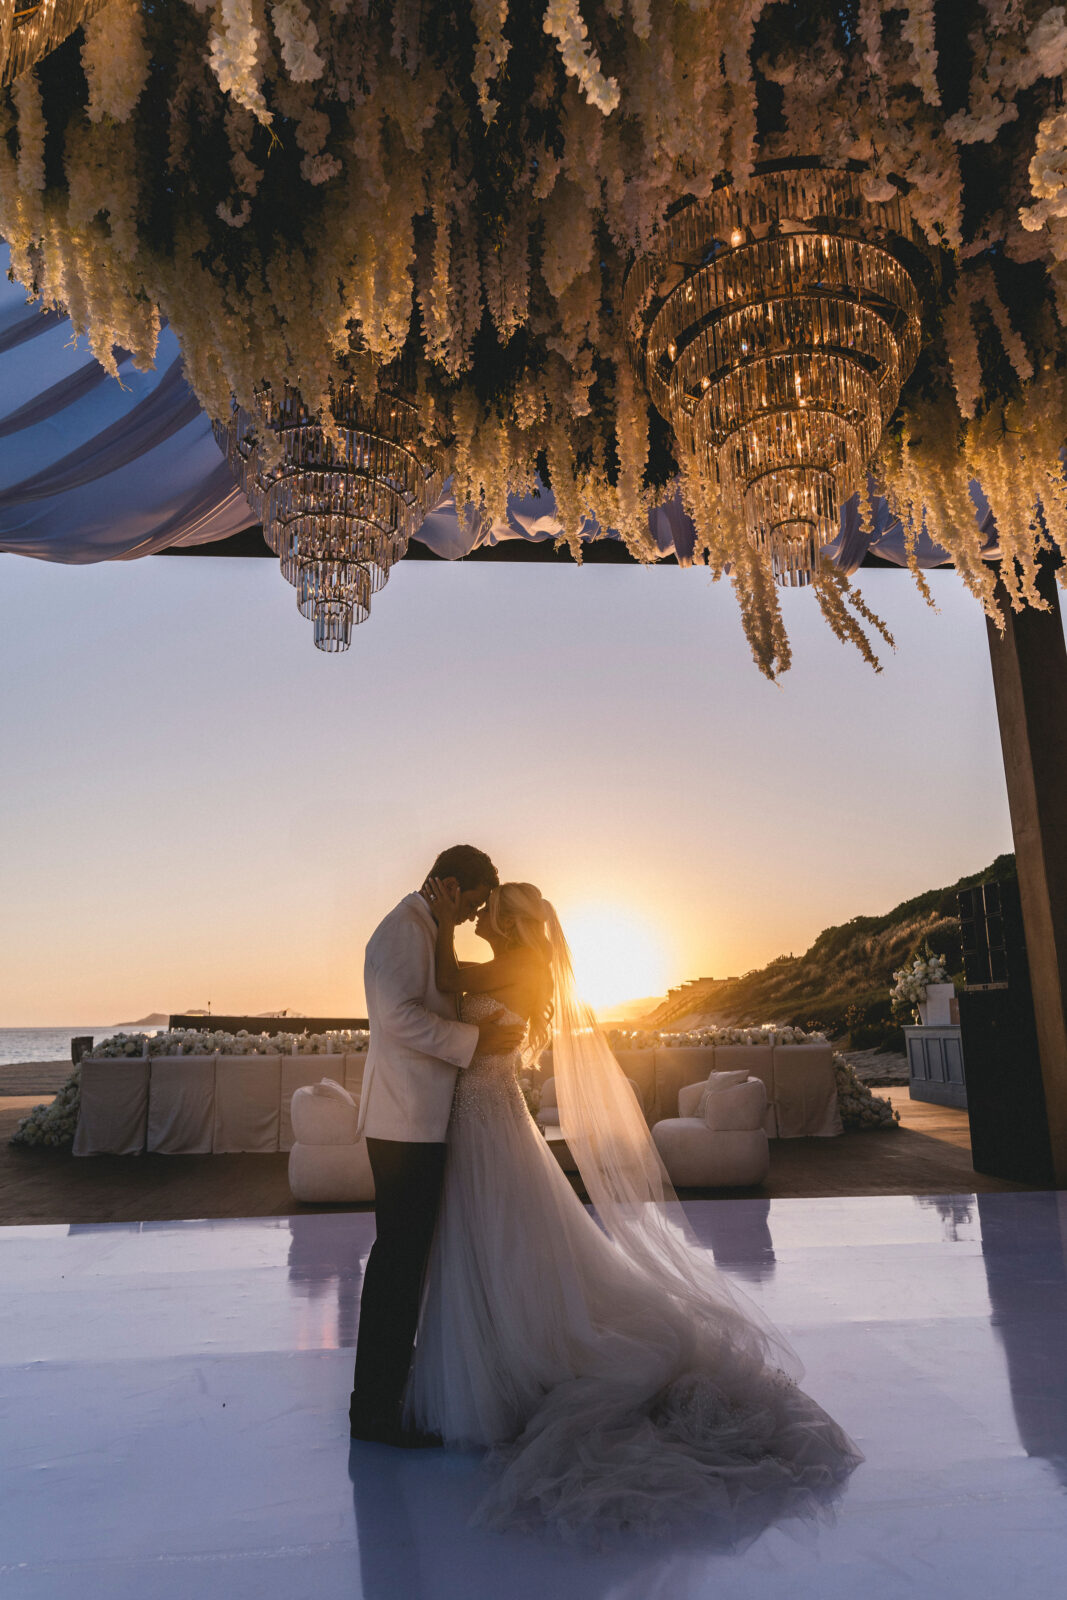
(617, 1378)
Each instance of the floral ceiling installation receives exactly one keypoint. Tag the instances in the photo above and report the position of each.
(307, 190)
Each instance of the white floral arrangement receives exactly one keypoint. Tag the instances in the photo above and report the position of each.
(604, 116)
(858, 1105)
(911, 983)
(122, 1044)
(768, 1034)
(52, 1126)
(204, 1042)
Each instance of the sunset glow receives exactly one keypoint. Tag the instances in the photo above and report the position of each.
(617, 955)
(244, 814)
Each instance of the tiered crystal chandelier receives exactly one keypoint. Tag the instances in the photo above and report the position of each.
(28, 31)
(338, 503)
(774, 327)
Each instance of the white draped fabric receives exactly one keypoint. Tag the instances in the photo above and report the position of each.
(113, 1113)
(192, 1105)
(181, 1106)
(97, 470)
(247, 1092)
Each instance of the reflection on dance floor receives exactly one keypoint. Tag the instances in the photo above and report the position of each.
(174, 1399)
(1027, 1278)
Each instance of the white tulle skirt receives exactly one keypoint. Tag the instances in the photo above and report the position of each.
(605, 1403)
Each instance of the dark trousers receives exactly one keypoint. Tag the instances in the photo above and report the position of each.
(407, 1193)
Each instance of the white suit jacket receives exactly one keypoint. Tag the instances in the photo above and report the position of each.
(416, 1043)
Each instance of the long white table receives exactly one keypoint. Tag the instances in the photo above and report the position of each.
(199, 1105)
(799, 1078)
(220, 1104)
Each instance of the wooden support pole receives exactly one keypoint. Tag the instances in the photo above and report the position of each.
(1029, 663)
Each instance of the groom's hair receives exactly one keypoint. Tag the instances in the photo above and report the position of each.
(471, 868)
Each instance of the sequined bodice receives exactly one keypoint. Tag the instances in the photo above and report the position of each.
(487, 1088)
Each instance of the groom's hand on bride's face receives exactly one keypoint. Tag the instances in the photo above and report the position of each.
(499, 1038)
(443, 897)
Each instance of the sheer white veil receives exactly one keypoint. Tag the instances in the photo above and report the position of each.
(607, 1134)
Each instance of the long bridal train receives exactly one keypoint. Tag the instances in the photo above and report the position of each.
(616, 1378)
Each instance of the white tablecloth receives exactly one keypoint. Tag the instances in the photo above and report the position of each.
(247, 1090)
(799, 1079)
(184, 1105)
(195, 1105)
(181, 1105)
(805, 1092)
(114, 1108)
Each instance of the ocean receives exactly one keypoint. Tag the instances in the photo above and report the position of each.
(49, 1044)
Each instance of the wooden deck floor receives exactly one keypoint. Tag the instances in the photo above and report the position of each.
(928, 1154)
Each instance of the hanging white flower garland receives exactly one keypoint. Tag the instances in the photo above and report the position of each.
(329, 165)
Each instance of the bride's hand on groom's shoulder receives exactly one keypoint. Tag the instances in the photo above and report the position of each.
(442, 899)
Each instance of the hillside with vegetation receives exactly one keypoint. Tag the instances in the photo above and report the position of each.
(841, 985)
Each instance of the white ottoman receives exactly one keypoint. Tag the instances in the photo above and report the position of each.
(697, 1159)
(297, 1072)
(758, 1061)
(727, 1147)
(328, 1162)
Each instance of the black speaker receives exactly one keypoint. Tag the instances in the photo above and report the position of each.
(1001, 1063)
(991, 933)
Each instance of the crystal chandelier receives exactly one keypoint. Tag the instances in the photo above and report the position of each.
(28, 32)
(774, 327)
(338, 500)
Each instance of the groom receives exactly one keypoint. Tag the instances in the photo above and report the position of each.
(417, 1046)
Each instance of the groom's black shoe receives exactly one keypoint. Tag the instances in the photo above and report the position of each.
(393, 1434)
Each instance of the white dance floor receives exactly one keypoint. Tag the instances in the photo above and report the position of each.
(174, 1417)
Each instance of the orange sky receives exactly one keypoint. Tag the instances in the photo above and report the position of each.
(197, 806)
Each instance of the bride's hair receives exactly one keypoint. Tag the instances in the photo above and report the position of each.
(520, 914)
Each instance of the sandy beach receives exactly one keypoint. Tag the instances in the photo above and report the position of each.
(33, 1077)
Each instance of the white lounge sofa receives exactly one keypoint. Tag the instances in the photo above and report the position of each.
(328, 1162)
(719, 1138)
(799, 1079)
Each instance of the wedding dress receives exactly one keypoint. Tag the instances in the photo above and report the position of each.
(614, 1392)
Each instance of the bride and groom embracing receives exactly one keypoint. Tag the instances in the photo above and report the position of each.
(616, 1377)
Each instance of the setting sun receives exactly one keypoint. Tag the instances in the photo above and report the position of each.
(617, 956)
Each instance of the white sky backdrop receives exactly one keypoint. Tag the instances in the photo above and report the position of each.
(196, 805)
